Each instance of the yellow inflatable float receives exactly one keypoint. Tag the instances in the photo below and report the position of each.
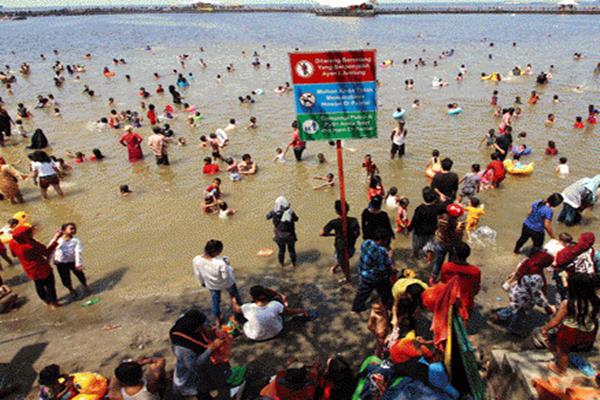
(494, 77)
(23, 218)
(518, 169)
(90, 386)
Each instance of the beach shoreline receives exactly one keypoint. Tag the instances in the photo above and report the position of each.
(334, 12)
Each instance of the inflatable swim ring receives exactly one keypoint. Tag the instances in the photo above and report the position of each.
(387, 63)
(183, 84)
(455, 111)
(526, 152)
(259, 92)
(524, 169)
(109, 74)
(494, 76)
(397, 115)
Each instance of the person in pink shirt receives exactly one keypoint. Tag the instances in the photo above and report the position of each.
(296, 144)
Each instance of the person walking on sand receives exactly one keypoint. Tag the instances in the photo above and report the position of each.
(132, 141)
(214, 273)
(284, 223)
(34, 258)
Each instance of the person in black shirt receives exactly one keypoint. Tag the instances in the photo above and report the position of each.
(424, 221)
(335, 225)
(445, 182)
(503, 143)
(373, 218)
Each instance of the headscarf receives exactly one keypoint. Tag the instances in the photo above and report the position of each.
(188, 325)
(534, 265)
(38, 140)
(570, 253)
(282, 205)
(572, 194)
(592, 186)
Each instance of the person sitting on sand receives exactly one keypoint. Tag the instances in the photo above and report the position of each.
(264, 315)
(129, 383)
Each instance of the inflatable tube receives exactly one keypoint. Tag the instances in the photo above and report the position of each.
(397, 115)
(526, 169)
(455, 111)
(526, 152)
(182, 84)
(109, 74)
(90, 386)
(494, 77)
(259, 92)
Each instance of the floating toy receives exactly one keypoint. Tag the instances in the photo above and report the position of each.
(399, 114)
(518, 169)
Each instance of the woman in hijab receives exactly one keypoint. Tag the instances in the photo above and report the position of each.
(9, 188)
(577, 258)
(577, 197)
(34, 258)
(284, 220)
(38, 140)
(196, 370)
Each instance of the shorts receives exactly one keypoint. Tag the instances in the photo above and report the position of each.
(398, 148)
(46, 181)
(468, 191)
(216, 154)
(339, 255)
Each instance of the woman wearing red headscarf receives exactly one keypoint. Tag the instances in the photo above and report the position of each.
(34, 258)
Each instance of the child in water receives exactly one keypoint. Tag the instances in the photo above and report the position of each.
(224, 211)
(533, 98)
(233, 170)
(328, 181)
(279, 155)
(378, 325)
(370, 167)
(551, 150)
(562, 169)
(475, 210)
(489, 139)
(402, 221)
(321, 158)
(550, 121)
(578, 123)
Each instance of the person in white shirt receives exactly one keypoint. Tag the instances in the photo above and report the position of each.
(562, 169)
(264, 315)
(68, 258)
(214, 273)
(45, 173)
(231, 126)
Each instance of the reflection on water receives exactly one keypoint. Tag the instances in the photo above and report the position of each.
(149, 238)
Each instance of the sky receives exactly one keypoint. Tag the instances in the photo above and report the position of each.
(67, 3)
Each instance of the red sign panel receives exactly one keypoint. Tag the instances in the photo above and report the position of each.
(333, 66)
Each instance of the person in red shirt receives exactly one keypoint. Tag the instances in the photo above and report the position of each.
(34, 258)
(498, 168)
(551, 150)
(297, 145)
(209, 168)
(469, 276)
(151, 114)
(578, 123)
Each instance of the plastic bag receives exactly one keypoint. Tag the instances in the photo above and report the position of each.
(484, 236)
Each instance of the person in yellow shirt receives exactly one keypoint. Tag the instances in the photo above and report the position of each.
(475, 211)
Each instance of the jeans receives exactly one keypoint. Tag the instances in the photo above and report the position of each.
(569, 216)
(440, 252)
(526, 234)
(215, 296)
(45, 289)
(366, 287)
(291, 246)
(298, 153)
(64, 271)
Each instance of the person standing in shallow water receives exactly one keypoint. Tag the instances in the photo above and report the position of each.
(538, 220)
(133, 142)
(68, 258)
(34, 258)
(284, 223)
(297, 145)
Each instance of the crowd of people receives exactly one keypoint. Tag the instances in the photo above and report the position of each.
(441, 227)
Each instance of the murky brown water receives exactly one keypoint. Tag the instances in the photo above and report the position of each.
(142, 246)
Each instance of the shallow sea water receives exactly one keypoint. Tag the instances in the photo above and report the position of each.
(142, 245)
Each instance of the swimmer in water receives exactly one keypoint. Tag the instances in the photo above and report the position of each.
(550, 119)
(416, 103)
(252, 124)
(328, 181)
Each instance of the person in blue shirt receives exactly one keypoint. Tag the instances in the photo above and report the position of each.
(375, 270)
(538, 220)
